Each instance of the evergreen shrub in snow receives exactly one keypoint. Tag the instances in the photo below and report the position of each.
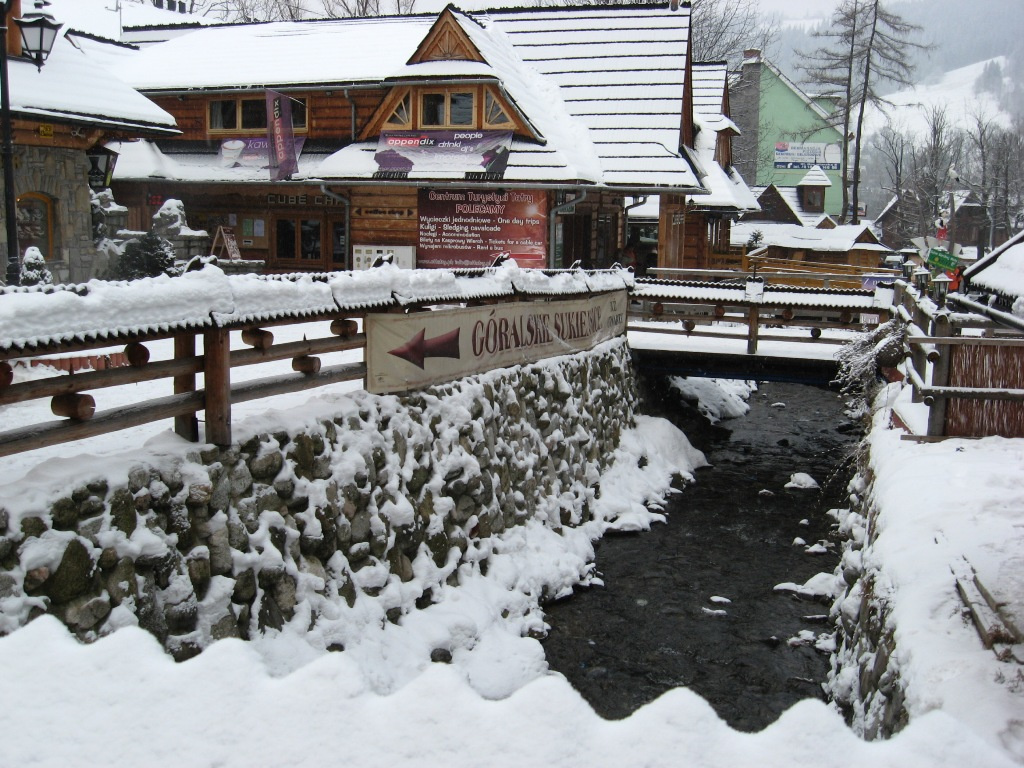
(33, 268)
(148, 256)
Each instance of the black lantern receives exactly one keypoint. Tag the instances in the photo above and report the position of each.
(101, 166)
(908, 269)
(921, 278)
(38, 33)
(940, 287)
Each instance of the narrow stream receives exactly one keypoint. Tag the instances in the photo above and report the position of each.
(660, 620)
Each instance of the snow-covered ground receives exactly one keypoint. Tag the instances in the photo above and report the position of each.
(121, 701)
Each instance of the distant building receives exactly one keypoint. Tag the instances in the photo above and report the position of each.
(784, 132)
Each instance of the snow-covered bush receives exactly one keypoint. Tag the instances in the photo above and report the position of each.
(148, 256)
(860, 359)
(33, 268)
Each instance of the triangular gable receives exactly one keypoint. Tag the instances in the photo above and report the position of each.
(775, 207)
(446, 41)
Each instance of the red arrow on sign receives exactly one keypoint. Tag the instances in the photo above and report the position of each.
(418, 348)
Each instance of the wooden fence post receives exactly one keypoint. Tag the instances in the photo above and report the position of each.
(753, 322)
(217, 375)
(186, 425)
(941, 327)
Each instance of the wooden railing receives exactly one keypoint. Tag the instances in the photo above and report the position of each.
(783, 272)
(198, 316)
(70, 396)
(684, 311)
(940, 360)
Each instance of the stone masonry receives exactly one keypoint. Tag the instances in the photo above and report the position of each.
(229, 542)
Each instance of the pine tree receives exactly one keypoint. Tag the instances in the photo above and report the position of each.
(865, 46)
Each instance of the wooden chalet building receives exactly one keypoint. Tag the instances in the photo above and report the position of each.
(696, 227)
(61, 113)
(444, 140)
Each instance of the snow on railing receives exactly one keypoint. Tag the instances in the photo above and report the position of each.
(64, 320)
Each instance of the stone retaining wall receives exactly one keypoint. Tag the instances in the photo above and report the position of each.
(865, 677)
(227, 542)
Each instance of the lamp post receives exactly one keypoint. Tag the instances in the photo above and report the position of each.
(940, 287)
(921, 278)
(38, 34)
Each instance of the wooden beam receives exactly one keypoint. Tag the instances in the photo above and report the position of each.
(56, 432)
(217, 375)
(186, 425)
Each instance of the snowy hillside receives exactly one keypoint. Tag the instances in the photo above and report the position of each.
(956, 91)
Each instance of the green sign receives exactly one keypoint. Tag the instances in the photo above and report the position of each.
(942, 259)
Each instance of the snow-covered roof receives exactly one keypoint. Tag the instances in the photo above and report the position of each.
(727, 188)
(790, 196)
(601, 86)
(815, 177)
(1002, 272)
(75, 87)
(621, 73)
(709, 84)
(120, 19)
(839, 239)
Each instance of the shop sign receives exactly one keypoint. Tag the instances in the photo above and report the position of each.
(406, 352)
(251, 152)
(804, 156)
(468, 152)
(937, 257)
(471, 228)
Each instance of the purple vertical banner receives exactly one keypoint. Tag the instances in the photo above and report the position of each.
(283, 162)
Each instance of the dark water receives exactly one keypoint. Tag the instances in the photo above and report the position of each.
(649, 628)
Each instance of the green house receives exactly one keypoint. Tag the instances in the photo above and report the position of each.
(784, 132)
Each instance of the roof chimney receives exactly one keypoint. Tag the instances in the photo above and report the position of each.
(752, 53)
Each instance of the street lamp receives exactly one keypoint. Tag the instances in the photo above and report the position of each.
(921, 278)
(38, 34)
(101, 167)
(940, 287)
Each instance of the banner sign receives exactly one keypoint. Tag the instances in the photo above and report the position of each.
(804, 156)
(406, 352)
(470, 228)
(251, 153)
(937, 257)
(476, 154)
(283, 159)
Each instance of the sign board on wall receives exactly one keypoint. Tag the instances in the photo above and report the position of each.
(471, 228)
(795, 156)
(405, 352)
(468, 152)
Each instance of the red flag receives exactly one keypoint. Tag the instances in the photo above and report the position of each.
(283, 162)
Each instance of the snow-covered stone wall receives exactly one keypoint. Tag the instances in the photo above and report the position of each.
(865, 678)
(384, 501)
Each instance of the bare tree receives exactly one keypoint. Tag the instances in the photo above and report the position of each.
(866, 46)
(722, 29)
(292, 10)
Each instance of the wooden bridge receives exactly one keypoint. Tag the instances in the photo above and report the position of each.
(749, 327)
